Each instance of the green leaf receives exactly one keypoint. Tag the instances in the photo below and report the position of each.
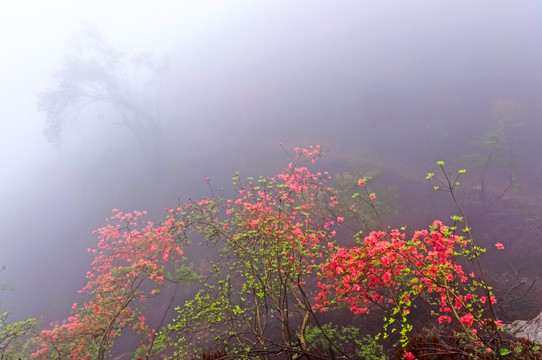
(440, 163)
(429, 175)
(462, 171)
(505, 352)
(436, 187)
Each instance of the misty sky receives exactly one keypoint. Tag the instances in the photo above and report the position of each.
(373, 79)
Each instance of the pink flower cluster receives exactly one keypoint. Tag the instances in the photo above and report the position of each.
(126, 259)
(388, 268)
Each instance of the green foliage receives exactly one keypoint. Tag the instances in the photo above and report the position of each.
(343, 342)
(505, 352)
(211, 314)
(185, 274)
(11, 335)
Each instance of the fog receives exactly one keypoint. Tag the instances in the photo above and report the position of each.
(373, 82)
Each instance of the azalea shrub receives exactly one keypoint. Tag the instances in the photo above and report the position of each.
(274, 272)
(392, 271)
(271, 239)
(129, 267)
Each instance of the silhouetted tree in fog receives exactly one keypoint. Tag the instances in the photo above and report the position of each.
(93, 73)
